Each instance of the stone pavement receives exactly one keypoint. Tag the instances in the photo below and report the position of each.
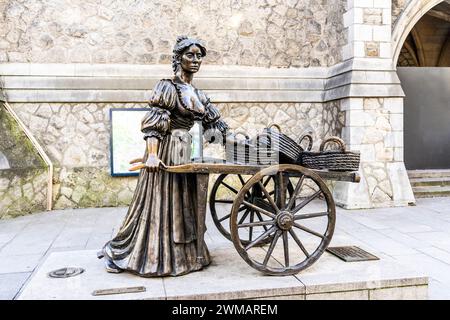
(418, 237)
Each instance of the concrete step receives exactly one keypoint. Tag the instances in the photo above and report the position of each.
(431, 173)
(424, 182)
(431, 191)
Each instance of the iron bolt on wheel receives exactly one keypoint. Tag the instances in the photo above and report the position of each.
(297, 229)
(223, 194)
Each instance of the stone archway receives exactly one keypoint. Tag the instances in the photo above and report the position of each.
(421, 53)
(413, 12)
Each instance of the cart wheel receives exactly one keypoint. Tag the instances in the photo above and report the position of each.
(304, 222)
(223, 194)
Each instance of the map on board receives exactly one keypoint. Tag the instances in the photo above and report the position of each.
(127, 141)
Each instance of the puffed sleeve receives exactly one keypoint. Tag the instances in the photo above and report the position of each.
(213, 126)
(156, 122)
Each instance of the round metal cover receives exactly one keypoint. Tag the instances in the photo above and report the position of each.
(66, 272)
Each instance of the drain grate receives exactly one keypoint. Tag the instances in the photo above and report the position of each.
(352, 254)
(65, 272)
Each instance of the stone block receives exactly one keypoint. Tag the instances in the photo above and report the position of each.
(402, 193)
(359, 118)
(353, 135)
(387, 17)
(361, 32)
(399, 154)
(385, 50)
(385, 4)
(360, 3)
(344, 295)
(352, 104)
(394, 105)
(393, 139)
(373, 16)
(372, 49)
(396, 122)
(401, 293)
(367, 153)
(382, 33)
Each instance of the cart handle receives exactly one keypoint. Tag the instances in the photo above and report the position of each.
(141, 165)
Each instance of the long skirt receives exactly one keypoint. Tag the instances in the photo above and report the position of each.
(158, 236)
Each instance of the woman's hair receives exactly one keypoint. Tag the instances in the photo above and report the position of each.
(184, 42)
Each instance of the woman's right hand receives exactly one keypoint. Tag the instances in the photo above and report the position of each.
(153, 163)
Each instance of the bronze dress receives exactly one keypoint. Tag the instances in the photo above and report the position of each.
(158, 235)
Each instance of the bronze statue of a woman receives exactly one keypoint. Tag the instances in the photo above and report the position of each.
(158, 235)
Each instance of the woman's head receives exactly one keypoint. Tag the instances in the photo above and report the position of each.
(187, 54)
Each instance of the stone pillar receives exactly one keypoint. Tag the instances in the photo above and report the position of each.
(373, 111)
(369, 29)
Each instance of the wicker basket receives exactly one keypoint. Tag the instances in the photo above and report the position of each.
(247, 151)
(289, 150)
(333, 160)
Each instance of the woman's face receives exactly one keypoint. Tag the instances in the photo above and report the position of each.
(191, 59)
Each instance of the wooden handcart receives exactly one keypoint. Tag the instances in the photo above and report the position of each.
(258, 207)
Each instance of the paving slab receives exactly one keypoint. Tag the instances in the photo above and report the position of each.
(228, 277)
(41, 286)
(11, 284)
(438, 291)
(330, 274)
(19, 263)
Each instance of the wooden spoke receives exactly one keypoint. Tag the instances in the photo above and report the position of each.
(310, 215)
(244, 216)
(265, 212)
(225, 201)
(260, 238)
(271, 201)
(272, 247)
(309, 230)
(305, 202)
(230, 187)
(274, 190)
(299, 243)
(297, 190)
(243, 183)
(241, 179)
(282, 188)
(225, 217)
(257, 224)
(262, 220)
(250, 231)
(267, 181)
(286, 248)
(242, 208)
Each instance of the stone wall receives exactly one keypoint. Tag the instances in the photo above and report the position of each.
(398, 6)
(23, 178)
(299, 33)
(77, 139)
(374, 126)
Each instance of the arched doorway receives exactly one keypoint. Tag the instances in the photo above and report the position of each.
(423, 66)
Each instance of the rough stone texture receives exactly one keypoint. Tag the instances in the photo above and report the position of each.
(264, 33)
(77, 139)
(84, 187)
(74, 134)
(15, 146)
(374, 126)
(22, 192)
(398, 6)
(23, 174)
